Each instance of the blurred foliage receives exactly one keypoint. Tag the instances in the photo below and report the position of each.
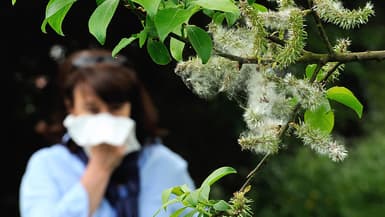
(305, 184)
(300, 183)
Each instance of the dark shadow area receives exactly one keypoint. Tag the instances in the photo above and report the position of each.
(204, 133)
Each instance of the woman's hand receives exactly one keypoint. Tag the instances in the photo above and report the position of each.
(103, 159)
(106, 157)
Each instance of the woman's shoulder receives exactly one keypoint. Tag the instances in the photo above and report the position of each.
(159, 154)
(50, 156)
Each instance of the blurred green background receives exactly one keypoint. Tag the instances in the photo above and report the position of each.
(296, 182)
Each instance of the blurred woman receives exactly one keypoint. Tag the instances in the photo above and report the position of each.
(111, 161)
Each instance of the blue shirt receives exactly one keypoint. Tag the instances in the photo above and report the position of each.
(50, 186)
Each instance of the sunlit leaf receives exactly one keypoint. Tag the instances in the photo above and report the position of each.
(168, 19)
(124, 42)
(310, 71)
(219, 5)
(57, 19)
(151, 6)
(218, 174)
(166, 195)
(231, 18)
(191, 213)
(178, 212)
(176, 49)
(101, 18)
(142, 37)
(165, 205)
(54, 6)
(192, 198)
(218, 18)
(345, 96)
(204, 192)
(322, 118)
(221, 206)
(259, 7)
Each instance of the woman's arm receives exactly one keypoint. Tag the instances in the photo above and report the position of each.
(104, 159)
(41, 194)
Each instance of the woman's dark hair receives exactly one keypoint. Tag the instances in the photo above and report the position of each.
(114, 82)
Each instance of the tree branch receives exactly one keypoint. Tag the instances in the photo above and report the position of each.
(330, 72)
(310, 57)
(321, 29)
(241, 60)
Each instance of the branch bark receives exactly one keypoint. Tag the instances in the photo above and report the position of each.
(310, 57)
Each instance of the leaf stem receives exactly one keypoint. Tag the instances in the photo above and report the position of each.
(253, 172)
(330, 72)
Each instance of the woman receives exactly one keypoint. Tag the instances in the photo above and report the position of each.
(111, 161)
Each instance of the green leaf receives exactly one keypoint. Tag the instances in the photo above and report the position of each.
(218, 174)
(165, 205)
(191, 213)
(310, 71)
(158, 52)
(221, 206)
(179, 190)
(124, 42)
(178, 212)
(185, 188)
(231, 18)
(259, 7)
(345, 96)
(192, 198)
(56, 20)
(101, 18)
(176, 49)
(168, 19)
(54, 6)
(99, 2)
(219, 5)
(44, 25)
(151, 6)
(13, 2)
(201, 42)
(322, 118)
(166, 195)
(218, 18)
(208, 12)
(204, 192)
(55, 13)
(142, 37)
(150, 28)
(169, 4)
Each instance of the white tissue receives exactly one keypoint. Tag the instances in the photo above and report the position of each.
(102, 128)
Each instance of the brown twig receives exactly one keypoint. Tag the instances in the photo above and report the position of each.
(330, 72)
(251, 175)
(321, 29)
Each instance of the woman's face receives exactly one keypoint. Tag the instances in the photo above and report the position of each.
(85, 101)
